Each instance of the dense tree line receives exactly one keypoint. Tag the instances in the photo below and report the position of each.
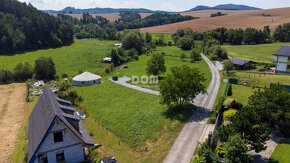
(249, 36)
(282, 33)
(133, 20)
(23, 27)
(99, 27)
(44, 68)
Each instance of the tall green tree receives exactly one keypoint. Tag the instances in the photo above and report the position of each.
(156, 65)
(228, 66)
(247, 123)
(185, 43)
(182, 85)
(273, 106)
(23, 71)
(44, 68)
(236, 150)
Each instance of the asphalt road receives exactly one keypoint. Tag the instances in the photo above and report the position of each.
(187, 141)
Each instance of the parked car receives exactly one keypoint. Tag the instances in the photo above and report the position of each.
(115, 78)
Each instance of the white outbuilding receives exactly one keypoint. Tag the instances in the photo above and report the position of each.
(86, 79)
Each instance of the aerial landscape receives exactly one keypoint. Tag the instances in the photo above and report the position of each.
(144, 81)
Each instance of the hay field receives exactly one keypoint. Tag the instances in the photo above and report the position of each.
(234, 19)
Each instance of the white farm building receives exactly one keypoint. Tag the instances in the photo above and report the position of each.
(86, 79)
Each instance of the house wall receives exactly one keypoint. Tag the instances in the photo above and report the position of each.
(282, 63)
(71, 145)
(86, 83)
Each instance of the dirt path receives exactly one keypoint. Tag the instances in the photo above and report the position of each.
(187, 141)
(12, 104)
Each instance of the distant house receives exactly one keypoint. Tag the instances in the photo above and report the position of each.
(55, 132)
(86, 79)
(242, 64)
(118, 45)
(107, 60)
(283, 59)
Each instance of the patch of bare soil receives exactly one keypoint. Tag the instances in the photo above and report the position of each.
(12, 105)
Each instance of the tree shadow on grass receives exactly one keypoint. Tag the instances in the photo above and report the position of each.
(180, 114)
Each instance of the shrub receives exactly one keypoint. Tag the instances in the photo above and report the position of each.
(230, 93)
(229, 114)
(64, 75)
(169, 43)
(107, 70)
(182, 56)
(236, 105)
(228, 101)
(220, 150)
(211, 120)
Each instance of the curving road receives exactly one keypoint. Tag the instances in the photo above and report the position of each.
(187, 141)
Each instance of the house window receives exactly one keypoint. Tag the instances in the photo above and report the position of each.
(60, 157)
(83, 83)
(58, 137)
(94, 81)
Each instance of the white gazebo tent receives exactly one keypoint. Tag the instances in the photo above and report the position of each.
(86, 79)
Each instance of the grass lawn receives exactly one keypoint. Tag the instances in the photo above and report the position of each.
(261, 80)
(241, 93)
(257, 53)
(135, 118)
(281, 153)
(22, 143)
(172, 58)
(167, 37)
(85, 55)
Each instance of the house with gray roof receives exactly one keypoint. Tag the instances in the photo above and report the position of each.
(283, 59)
(242, 64)
(55, 132)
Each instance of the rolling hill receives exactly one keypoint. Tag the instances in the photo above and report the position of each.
(225, 7)
(72, 10)
(97, 10)
(234, 19)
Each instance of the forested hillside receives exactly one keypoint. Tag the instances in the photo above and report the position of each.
(23, 27)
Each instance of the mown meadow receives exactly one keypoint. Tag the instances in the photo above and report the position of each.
(82, 55)
(258, 53)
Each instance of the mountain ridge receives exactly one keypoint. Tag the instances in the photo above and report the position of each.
(225, 7)
(98, 10)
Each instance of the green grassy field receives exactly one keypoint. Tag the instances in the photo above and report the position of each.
(134, 117)
(167, 37)
(281, 153)
(85, 55)
(241, 93)
(257, 53)
(172, 58)
(261, 80)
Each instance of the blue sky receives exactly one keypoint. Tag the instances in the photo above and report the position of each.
(169, 5)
